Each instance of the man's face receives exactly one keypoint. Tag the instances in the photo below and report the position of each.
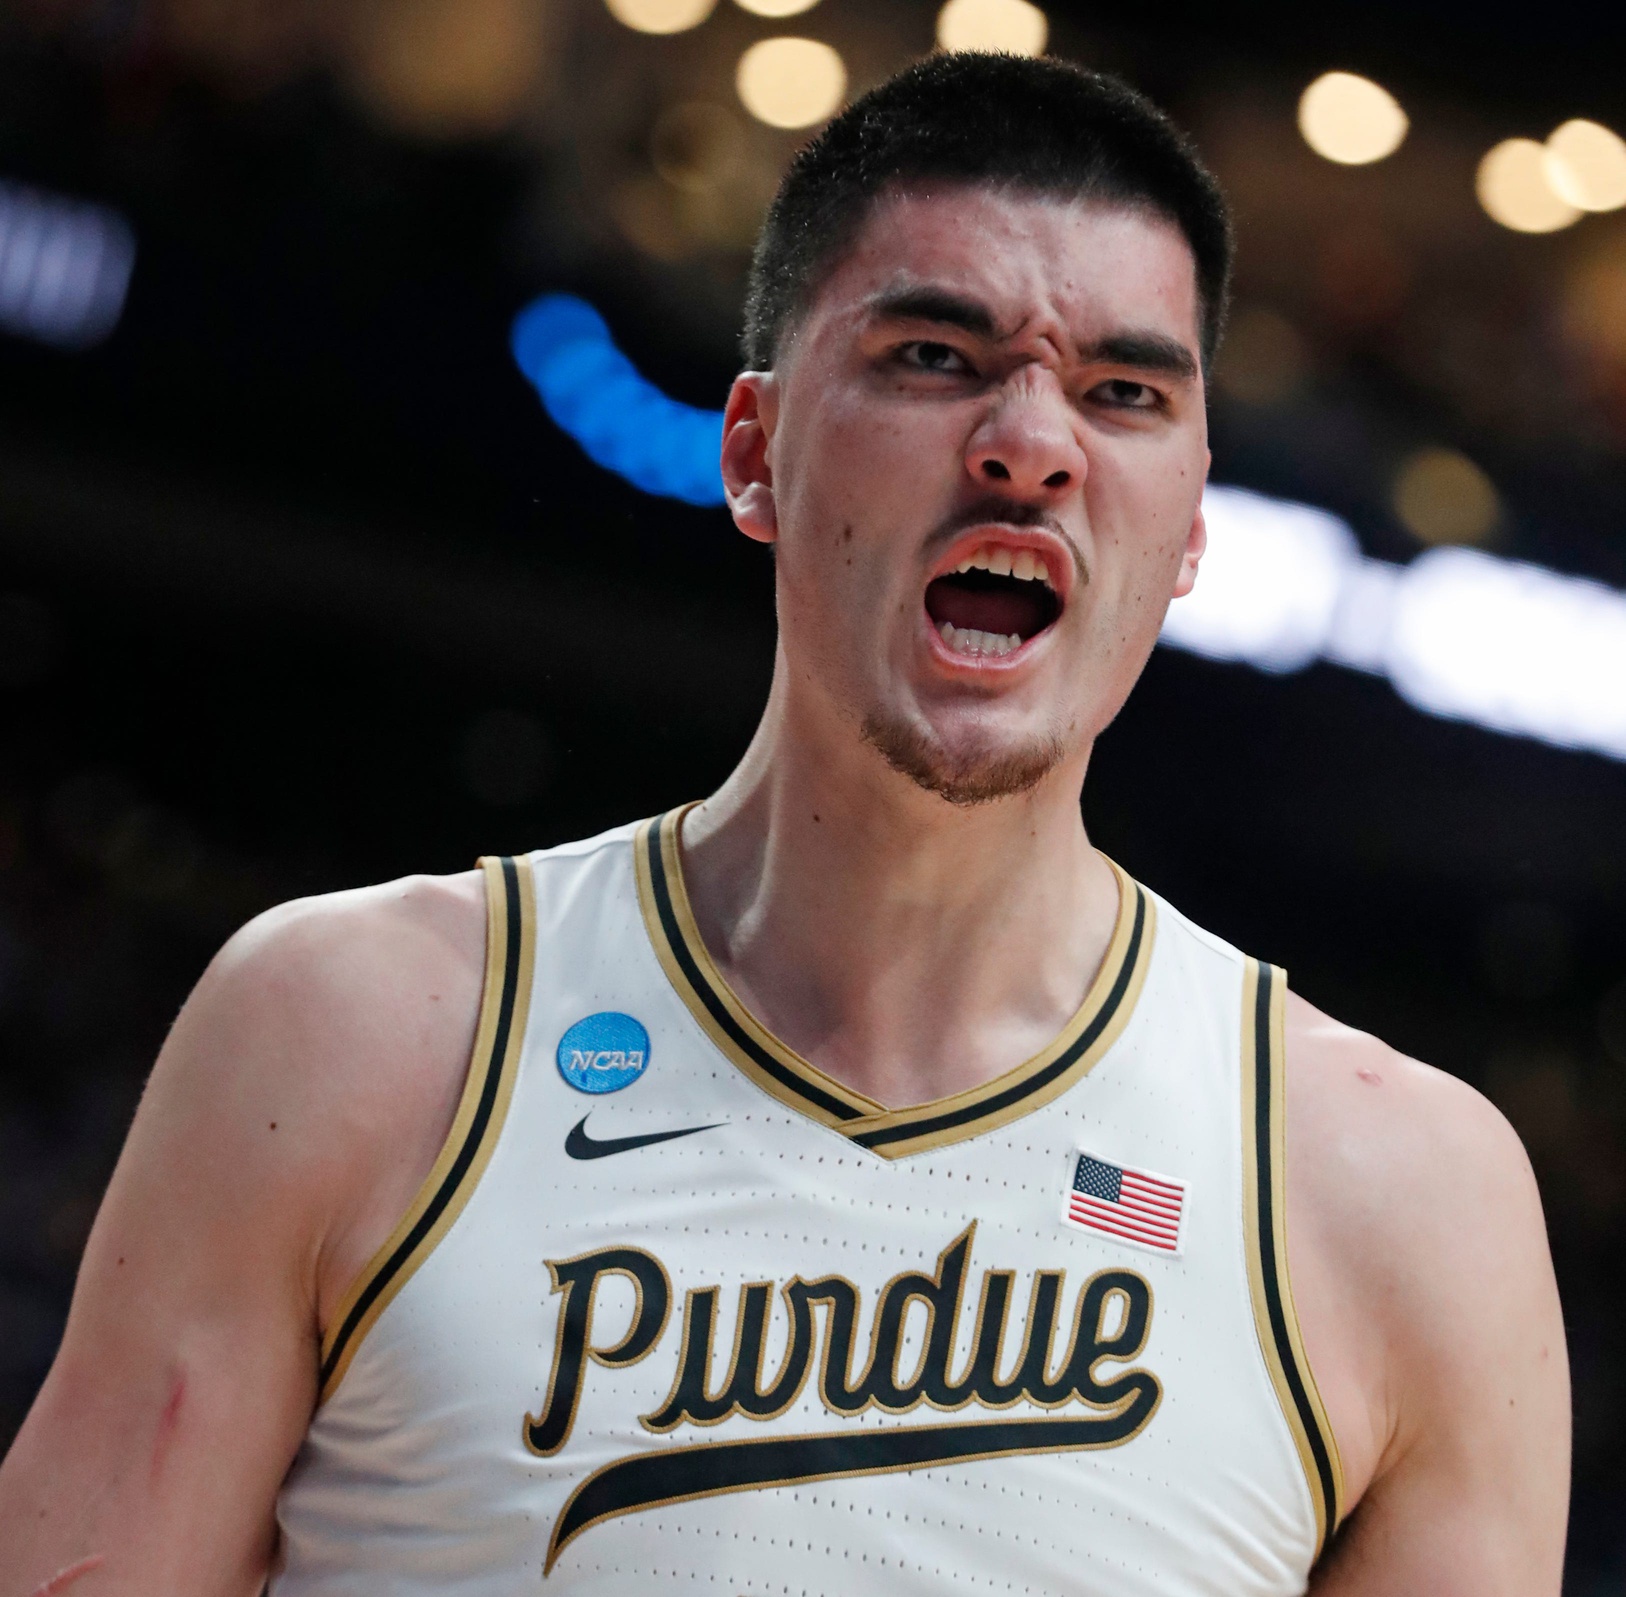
(981, 459)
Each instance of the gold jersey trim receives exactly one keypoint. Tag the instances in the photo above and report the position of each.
(891, 1133)
(1264, 1188)
(481, 1110)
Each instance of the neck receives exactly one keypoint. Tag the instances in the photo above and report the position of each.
(908, 947)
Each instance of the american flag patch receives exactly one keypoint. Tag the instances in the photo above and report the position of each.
(1133, 1206)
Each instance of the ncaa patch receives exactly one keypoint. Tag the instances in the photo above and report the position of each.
(604, 1052)
(1139, 1207)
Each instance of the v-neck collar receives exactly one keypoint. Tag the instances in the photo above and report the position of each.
(800, 1084)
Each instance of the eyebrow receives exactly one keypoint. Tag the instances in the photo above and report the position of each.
(1147, 352)
(926, 303)
(1142, 349)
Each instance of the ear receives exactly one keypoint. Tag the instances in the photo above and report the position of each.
(1196, 543)
(748, 427)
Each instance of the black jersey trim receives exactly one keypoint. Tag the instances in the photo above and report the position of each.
(1037, 1077)
(889, 1133)
(682, 954)
(1264, 997)
(481, 1110)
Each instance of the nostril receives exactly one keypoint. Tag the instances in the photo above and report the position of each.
(997, 469)
(1058, 479)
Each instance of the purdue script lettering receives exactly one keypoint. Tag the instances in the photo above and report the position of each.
(1110, 1323)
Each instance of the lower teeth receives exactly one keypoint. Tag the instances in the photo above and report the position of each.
(968, 640)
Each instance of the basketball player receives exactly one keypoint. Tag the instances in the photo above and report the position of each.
(860, 1185)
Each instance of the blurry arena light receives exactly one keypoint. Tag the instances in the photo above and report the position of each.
(1443, 497)
(446, 68)
(64, 267)
(1586, 165)
(621, 419)
(1513, 647)
(1515, 188)
(1459, 633)
(791, 83)
(777, 8)
(696, 146)
(1269, 586)
(660, 16)
(1594, 306)
(1011, 26)
(1350, 119)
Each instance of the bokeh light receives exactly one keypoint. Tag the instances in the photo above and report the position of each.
(1441, 496)
(447, 68)
(1268, 591)
(696, 146)
(791, 83)
(661, 16)
(621, 419)
(1350, 119)
(777, 8)
(1586, 165)
(64, 267)
(1594, 307)
(1011, 26)
(710, 184)
(1515, 190)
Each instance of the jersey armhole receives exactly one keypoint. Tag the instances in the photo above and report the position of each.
(1264, 1186)
(487, 1087)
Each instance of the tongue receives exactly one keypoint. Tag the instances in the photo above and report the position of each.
(1005, 608)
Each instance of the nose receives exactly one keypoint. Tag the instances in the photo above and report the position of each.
(1027, 442)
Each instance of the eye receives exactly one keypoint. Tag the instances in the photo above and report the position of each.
(928, 356)
(1124, 394)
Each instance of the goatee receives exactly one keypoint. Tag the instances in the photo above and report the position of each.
(978, 776)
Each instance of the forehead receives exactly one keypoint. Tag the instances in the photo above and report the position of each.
(1090, 265)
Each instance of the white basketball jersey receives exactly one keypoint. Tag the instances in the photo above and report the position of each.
(675, 1309)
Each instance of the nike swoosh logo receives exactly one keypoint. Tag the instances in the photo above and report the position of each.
(581, 1146)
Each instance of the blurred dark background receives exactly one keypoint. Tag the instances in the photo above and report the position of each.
(300, 588)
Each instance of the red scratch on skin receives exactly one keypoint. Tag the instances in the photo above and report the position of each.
(166, 1426)
(1370, 1075)
(64, 1578)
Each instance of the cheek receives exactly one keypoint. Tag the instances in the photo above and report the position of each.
(856, 496)
(825, 573)
(835, 577)
(1140, 542)
(858, 454)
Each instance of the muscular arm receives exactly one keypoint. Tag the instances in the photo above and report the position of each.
(297, 1103)
(1431, 1319)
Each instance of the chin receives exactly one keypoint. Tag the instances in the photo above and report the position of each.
(966, 770)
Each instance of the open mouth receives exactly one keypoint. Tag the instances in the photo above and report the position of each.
(993, 601)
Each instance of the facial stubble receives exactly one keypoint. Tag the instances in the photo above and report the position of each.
(977, 776)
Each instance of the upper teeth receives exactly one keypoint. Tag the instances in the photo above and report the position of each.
(1023, 564)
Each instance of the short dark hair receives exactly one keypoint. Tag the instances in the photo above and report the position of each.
(1037, 126)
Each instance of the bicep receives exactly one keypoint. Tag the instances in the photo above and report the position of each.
(1472, 1496)
(186, 1373)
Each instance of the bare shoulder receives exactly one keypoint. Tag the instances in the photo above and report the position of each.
(1372, 1121)
(298, 1102)
(1406, 1165)
(327, 944)
(1410, 1185)
(1424, 1286)
(341, 992)
(325, 1048)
